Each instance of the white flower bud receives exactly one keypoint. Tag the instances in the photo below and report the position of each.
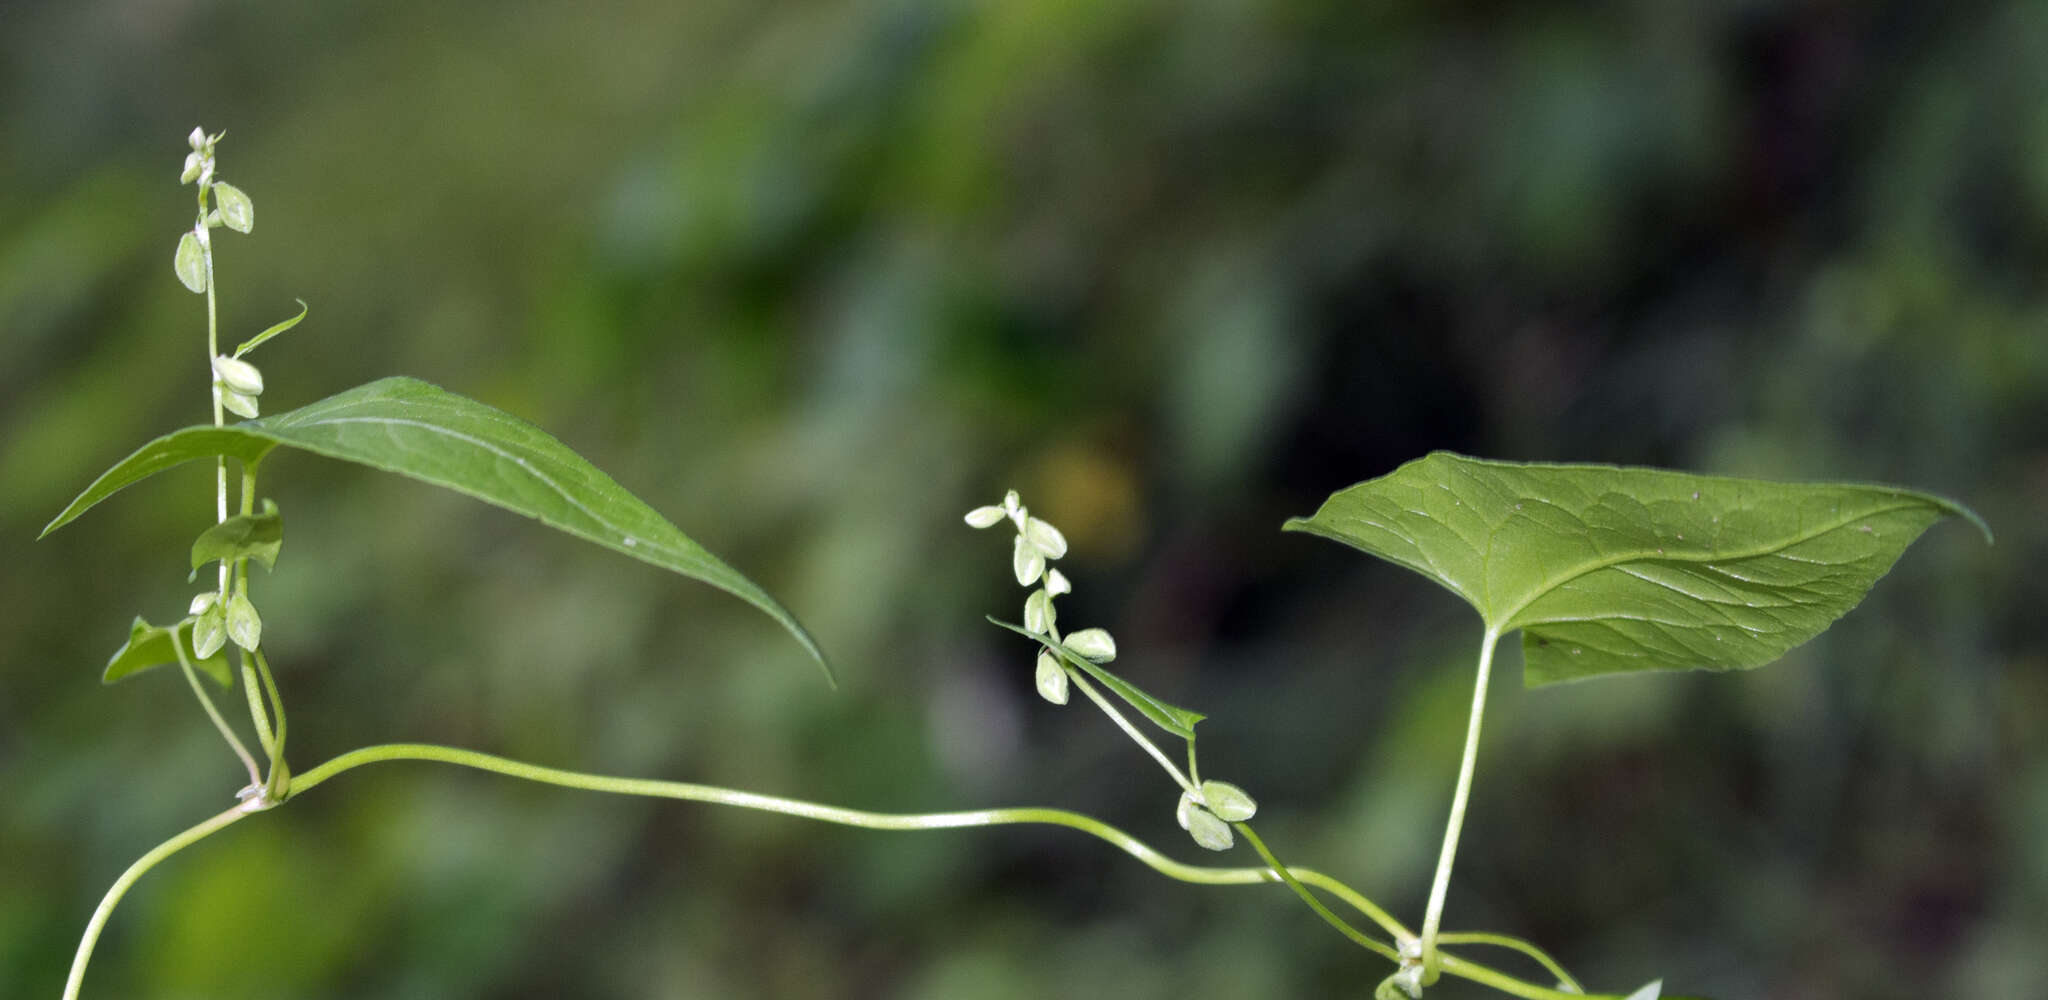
(1228, 802)
(984, 517)
(238, 375)
(1052, 679)
(238, 404)
(197, 139)
(1209, 831)
(201, 601)
(1038, 612)
(192, 164)
(1056, 583)
(237, 212)
(1045, 538)
(245, 627)
(1094, 644)
(1027, 562)
(209, 632)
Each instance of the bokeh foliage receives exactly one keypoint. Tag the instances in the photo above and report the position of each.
(816, 278)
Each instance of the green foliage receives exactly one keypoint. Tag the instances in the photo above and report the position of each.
(149, 646)
(243, 536)
(1174, 719)
(1611, 570)
(421, 431)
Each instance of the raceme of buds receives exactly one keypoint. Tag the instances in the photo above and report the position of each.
(1037, 543)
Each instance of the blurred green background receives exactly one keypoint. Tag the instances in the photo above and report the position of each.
(816, 278)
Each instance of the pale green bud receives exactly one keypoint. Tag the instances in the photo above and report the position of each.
(1228, 802)
(244, 626)
(1056, 583)
(209, 632)
(190, 263)
(1045, 538)
(237, 212)
(1209, 831)
(202, 600)
(238, 404)
(238, 375)
(1038, 613)
(1093, 643)
(1027, 562)
(1052, 679)
(197, 139)
(984, 517)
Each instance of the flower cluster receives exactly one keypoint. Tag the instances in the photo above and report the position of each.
(1038, 544)
(236, 383)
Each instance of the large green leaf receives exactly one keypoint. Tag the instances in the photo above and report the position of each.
(1608, 569)
(409, 427)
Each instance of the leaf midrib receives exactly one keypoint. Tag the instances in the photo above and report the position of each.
(1648, 555)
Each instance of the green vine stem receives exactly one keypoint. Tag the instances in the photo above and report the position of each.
(1433, 917)
(135, 871)
(654, 788)
(1540, 956)
(227, 733)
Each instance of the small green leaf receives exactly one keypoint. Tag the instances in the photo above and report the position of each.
(1178, 721)
(257, 341)
(243, 536)
(421, 431)
(1609, 569)
(1229, 802)
(245, 627)
(209, 632)
(237, 212)
(149, 646)
(190, 263)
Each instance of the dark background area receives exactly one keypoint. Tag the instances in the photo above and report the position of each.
(815, 279)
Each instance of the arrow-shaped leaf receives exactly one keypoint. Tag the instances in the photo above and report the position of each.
(415, 429)
(1609, 569)
(1178, 721)
(149, 646)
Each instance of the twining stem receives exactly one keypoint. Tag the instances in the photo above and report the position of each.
(220, 462)
(1293, 881)
(256, 715)
(1433, 917)
(1540, 956)
(1074, 677)
(227, 733)
(1195, 874)
(135, 871)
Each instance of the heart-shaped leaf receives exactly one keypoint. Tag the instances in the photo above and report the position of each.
(1609, 569)
(149, 646)
(419, 430)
